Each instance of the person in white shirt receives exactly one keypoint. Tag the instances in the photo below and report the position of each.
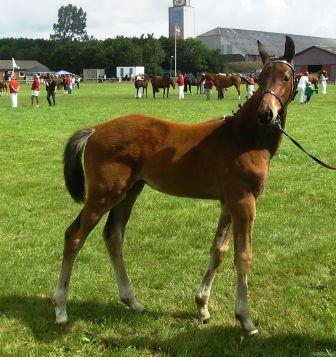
(302, 86)
(140, 89)
(323, 79)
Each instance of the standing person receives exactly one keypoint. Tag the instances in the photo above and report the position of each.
(250, 86)
(14, 90)
(202, 82)
(302, 86)
(310, 90)
(51, 90)
(140, 89)
(323, 79)
(69, 84)
(180, 82)
(64, 83)
(35, 88)
(208, 88)
(78, 80)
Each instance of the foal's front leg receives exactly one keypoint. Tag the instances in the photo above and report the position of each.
(243, 215)
(218, 251)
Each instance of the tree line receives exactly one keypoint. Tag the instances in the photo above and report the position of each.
(154, 54)
(72, 49)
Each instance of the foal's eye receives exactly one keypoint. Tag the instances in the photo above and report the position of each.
(286, 78)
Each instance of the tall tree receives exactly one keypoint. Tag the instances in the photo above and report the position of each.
(71, 24)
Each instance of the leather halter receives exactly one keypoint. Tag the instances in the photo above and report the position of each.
(283, 105)
(294, 85)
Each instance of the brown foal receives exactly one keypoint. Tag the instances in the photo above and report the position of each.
(226, 160)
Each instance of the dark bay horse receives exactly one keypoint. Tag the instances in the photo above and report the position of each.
(3, 88)
(162, 82)
(141, 83)
(190, 81)
(222, 82)
(226, 160)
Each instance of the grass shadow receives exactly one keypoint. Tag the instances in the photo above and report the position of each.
(37, 313)
(226, 341)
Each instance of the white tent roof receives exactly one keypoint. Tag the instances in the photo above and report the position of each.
(62, 73)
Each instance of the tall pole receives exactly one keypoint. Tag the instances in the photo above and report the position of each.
(175, 50)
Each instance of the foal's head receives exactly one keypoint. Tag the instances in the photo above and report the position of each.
(276, 82)
(171, 82)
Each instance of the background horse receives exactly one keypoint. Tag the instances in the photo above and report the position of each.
(226, 160)
(60, 83)
(162, 82)
(141, 83)
(190, 81)
(3, 88)
(222, 82)
(313, 78)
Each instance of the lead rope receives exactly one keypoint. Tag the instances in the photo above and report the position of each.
(302, 148)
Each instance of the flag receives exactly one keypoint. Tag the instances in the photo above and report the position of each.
(14, 65)
(177, 30)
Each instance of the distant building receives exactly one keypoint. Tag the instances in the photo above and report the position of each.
(26, 68)
(93, 73)
(241, 45)
(315, 58)
(181, 14)
(122, 71)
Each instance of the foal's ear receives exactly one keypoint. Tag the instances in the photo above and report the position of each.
(262, 51)
(289, 49)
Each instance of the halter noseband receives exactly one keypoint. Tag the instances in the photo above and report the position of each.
(294, 85)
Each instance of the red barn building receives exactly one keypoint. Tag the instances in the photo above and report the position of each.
(315, 58)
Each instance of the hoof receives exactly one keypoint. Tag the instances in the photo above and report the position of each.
(133, 305)
(138, 308)
(251, 333)
(61, 323)
(205, 321)
(61, 320)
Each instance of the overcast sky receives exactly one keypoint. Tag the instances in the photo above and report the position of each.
(109, 18)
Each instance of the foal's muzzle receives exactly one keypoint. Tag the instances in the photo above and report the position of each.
(265, 117)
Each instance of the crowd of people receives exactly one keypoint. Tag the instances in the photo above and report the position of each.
(305, 87)
(50, 83)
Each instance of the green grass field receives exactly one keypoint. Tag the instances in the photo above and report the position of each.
(292, 282)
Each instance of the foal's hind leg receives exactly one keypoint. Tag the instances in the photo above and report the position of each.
(243, 215)
(218, 251)
(114, 237)
(75, 237)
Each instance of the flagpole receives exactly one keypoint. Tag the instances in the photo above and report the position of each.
(175, 50)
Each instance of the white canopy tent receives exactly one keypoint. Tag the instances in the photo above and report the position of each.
(62, 73)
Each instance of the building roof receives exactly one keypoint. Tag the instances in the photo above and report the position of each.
(24, 65)
(246, 40)
(329, 49)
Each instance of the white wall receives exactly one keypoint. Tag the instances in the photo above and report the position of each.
(188, 22)
(133, 70)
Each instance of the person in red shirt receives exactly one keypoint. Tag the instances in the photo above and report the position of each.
(180, 82)
(69, 84)
(35, 88)
(14, 90)
(208, 88)
(250, 86)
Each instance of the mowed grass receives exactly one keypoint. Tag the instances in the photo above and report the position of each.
(292, 282)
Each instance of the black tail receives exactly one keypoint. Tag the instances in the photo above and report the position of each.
(73, 168)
